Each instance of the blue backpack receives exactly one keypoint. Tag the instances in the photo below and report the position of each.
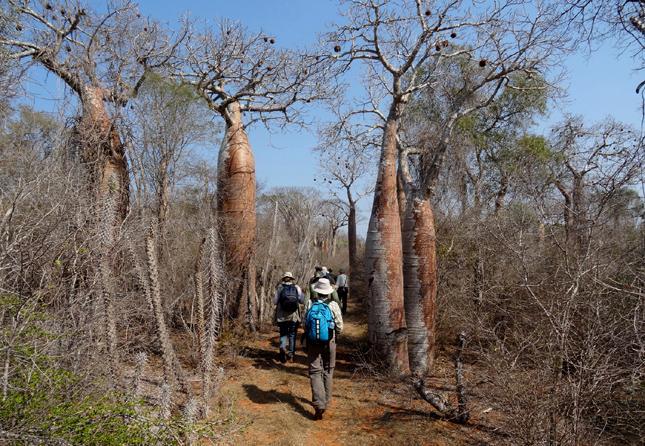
(319, 324)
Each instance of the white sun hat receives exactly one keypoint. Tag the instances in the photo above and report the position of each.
(322, 286)
(288, 275)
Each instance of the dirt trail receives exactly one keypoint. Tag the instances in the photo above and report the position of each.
(273, 402)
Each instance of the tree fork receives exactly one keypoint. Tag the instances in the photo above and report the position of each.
(460, 414)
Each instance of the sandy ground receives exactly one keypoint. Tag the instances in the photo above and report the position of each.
(272, 402)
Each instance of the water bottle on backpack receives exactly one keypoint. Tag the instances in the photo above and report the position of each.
(319, 324)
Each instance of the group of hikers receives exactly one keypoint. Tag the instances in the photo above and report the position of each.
(321, 312)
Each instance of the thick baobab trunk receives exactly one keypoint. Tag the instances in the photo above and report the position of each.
(236, 213)
(383, 267)
(420, 274)
(103, 151)
(402, 178)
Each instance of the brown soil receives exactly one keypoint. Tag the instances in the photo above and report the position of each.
(272, 401)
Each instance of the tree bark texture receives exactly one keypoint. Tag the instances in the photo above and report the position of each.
(402, 180)
(420, 282)
(104, 152)
(383, 267)
(236, 213)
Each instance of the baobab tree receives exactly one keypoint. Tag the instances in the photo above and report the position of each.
(245, 77)
(335, 215)
(409, 48)
(103, 57)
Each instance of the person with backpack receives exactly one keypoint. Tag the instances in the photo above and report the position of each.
(287, 299)
(312, 291)
(332, 277)
(323, 322)
(317, 275)
(326, 273)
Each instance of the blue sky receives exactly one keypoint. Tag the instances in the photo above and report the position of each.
(599, 85)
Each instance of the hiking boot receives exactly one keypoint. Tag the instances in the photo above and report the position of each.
(319, 414)
(290, 357)
(283, 356)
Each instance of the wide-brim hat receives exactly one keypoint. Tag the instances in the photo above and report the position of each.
(288, 275)
(322, 286)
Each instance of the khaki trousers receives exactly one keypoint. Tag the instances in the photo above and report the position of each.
(322, 360)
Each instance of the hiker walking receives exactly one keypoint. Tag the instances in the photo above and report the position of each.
(312, 292)
(342, 284)
(323, 321)
(326, 273)
(317, 275)
(333, 278)
(287, 298)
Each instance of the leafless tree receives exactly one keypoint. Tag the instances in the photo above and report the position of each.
(599, 160)
(335, 217)
(103, 57)
(607, 19)
(243, 74)
(405, 48)
(346, 162)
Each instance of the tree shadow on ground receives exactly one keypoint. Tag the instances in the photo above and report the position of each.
(268, 359)
(260, 396)
(402, 414)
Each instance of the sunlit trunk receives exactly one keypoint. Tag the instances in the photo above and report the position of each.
(383, 267)
(402, 175)
(420, 273)
(103, 152)
(332, 241)
(236, 212)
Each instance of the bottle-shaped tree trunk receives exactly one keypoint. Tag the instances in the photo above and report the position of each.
(383, 267)
(236, 213)
(103, 152)
(420, 278)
